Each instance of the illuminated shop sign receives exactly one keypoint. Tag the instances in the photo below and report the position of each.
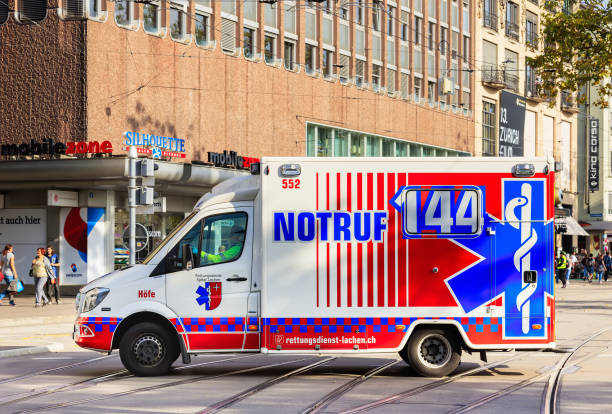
(230, 159)
(50, 147)
(155, 145)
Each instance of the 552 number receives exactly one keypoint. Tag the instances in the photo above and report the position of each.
(290, 183)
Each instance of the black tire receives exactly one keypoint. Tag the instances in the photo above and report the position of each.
(432, 352)
(148, 349)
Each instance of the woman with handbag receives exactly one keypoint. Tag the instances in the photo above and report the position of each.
(41, 269)
(10, 274)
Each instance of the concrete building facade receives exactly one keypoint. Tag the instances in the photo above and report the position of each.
(509, 32)
(243, 75)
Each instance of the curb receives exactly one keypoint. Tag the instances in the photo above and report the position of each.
(52, 347)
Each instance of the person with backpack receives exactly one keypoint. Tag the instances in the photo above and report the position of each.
(590, 267)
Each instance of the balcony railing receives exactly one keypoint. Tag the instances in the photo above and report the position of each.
(499, 78)
(534, 92)
(490, 20)
(531, 38)
(568, 102)
(512, 30)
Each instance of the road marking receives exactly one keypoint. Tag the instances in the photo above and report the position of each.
(53, 358)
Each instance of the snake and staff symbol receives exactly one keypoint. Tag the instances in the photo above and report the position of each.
(522, 256)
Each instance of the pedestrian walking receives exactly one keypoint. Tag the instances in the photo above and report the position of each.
(53, 283)
(608, 263)
(41, 271)
(9, 272)
(562, 268)
(590, 267)
(600, 267)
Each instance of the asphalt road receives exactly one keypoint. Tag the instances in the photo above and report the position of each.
(576, 381)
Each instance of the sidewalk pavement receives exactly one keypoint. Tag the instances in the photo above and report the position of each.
(29, 330)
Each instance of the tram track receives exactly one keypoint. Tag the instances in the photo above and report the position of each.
(553, 374)
(260, 387)
(107, 377)
(56, 369)
(51, 407)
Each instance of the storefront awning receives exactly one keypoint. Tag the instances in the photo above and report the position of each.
(108, 174)
(573, 228)
(597, 225)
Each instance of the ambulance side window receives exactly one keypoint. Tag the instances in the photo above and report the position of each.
(223, 238)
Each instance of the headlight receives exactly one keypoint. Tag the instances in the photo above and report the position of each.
(77, 301)
(93, 298)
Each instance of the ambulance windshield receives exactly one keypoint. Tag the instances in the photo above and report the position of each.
(169, 237)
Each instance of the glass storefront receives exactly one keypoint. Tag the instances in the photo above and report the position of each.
(151, 229)
(323, 141)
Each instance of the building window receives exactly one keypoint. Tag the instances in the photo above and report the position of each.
(94, 9)
(431, 91)
(465, 100)
(512, 28)
(454, 45)
(341, 143)
(417, 30)
(466, 16)
(201, 29)
(31, 11)
(290, 9)
(229, 7)
(431, 36)
(511, 70)
(228, 35)
(455, 14)
(489, 128)
(418, 92)
(359, 12)
(328, 60)
(123, 13)
(177, 23)
(151, 17)
(343, 12)
(466, 49)
(373, 147)
(390, 20)
(405, 26)
(418, 6)
(310, 53)
(270, 15)
(269, 48)
(311, 25)
(391, 81)
(248, 41)
(388, 148)
(376, 73)
(344, 68)
(376, 18)
(489, 18)
(359, 72)
(531, 30)
(250, 10)
(289, 55)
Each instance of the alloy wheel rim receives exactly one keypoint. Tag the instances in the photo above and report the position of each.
(148, 350)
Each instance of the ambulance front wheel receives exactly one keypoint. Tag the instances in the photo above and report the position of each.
(432, 352)
(148, 349)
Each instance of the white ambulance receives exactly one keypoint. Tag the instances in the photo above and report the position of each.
(425, 257)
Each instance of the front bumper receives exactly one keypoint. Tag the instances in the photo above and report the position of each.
(95, 332)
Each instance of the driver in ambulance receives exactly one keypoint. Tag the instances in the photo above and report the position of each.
(234, 249)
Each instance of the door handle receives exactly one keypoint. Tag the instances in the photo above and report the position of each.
(236, 279)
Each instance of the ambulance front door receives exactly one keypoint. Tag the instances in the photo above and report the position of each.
(211, 289)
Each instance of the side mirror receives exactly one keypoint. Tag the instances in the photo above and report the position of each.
(187, 257)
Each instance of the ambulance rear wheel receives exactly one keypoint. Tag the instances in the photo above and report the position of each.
(148, 349)
(432, 352)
